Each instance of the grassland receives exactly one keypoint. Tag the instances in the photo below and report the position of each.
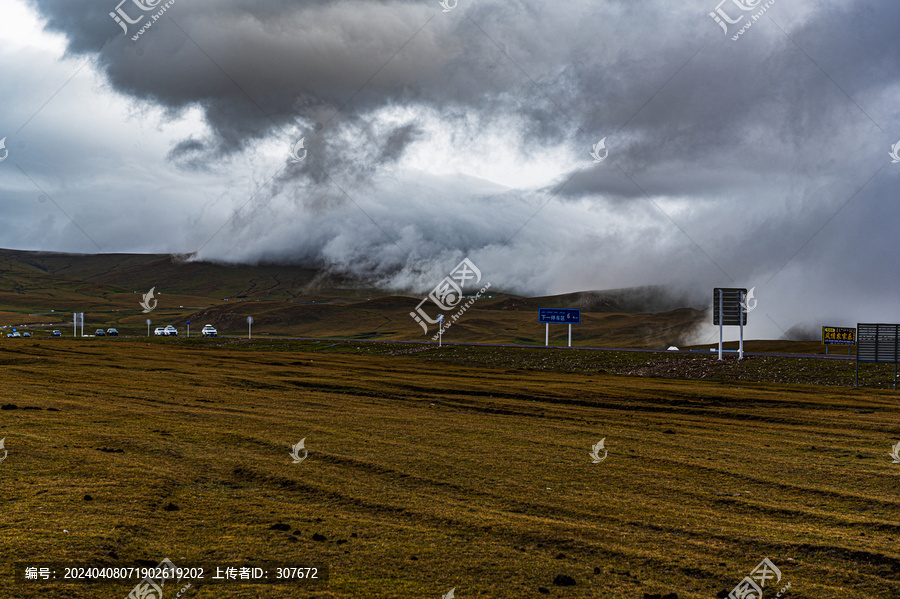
(437, 469)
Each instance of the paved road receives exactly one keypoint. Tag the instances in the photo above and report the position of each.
(694, 352)
(578, 348)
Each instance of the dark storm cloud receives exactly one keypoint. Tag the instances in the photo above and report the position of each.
(259, 68)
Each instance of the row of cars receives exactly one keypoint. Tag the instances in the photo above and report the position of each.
(58, 333)
(166, 331)
(208, 331)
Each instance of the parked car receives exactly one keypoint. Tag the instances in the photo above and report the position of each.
(209, 331)
(99, 333)
(26, 334)
(159, 331)
(170, 330)
(14, 334)
(56, 334)
(112, 332)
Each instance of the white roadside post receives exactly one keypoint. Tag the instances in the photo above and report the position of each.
(440, 329)
(189, 328)
(721, 319)
(743, 311)
(547, 335)
(249, 327)
(148, 327)
(570, 334)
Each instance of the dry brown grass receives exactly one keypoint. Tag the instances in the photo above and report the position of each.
(449, 475)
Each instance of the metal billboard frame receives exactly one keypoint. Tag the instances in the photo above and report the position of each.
(877, 343)
(730, 301)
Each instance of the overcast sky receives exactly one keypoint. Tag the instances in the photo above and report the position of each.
(754, 158)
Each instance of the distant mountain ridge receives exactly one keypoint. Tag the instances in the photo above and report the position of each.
(43, 288)
(129, 272)
(50, 272)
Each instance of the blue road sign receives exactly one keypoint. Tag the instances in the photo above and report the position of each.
(559, 316)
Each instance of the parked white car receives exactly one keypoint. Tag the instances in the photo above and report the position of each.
(170, 330)
(159, 331)
(209, 331)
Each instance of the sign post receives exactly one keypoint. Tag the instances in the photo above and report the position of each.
(558, 315)
(249, 327)
(188, 328)
(838, 336)
(148, 327)
(440, 329)
(728, 309)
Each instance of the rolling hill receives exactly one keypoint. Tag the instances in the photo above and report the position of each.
(40, 290)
